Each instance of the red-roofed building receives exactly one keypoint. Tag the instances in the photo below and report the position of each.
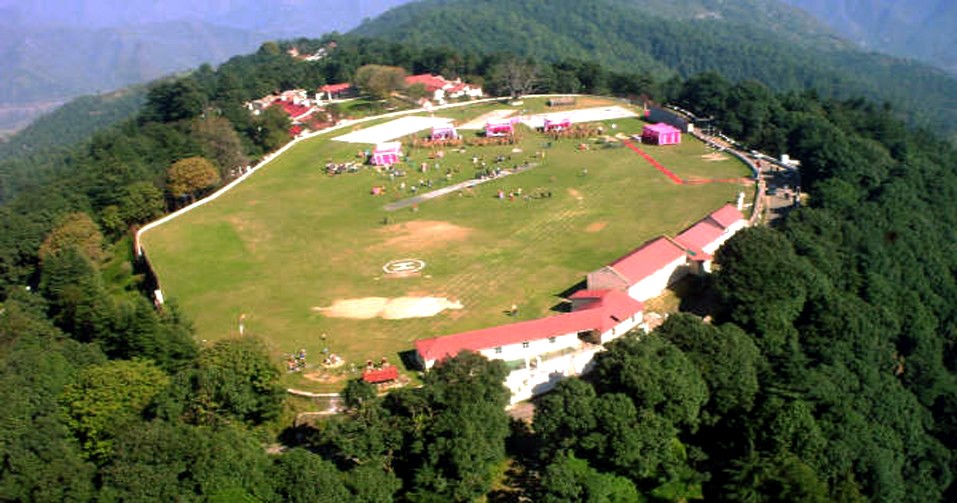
(645, 272)
(440, 88)
(708, 234)
(381, 375)
(598, 317)
(336, 91)
(546, 349)
(295, 111)
(728, 216)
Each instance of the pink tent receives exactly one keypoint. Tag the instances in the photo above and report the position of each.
(557, 125)
(502, 128)
(660, 134)
(444, 133)
(387, 154)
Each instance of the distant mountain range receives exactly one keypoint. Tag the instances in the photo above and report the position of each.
(764, 40)
(53, 50)
(919, 29)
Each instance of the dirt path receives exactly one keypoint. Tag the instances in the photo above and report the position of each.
(494, 115)
(405, 203)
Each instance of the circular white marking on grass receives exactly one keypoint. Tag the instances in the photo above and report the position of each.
(404, 266)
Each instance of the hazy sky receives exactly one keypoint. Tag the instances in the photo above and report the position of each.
(287, 17)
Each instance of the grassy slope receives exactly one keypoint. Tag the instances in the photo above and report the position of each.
(292, 238)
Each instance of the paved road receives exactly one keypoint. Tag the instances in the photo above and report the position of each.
(405, 203)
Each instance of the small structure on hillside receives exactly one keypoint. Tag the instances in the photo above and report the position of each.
(447, 132)
(561, 101)
(440, 89)
(557, 125)
(499, 128)
(660, 134)
(336, 91)
(387, 154)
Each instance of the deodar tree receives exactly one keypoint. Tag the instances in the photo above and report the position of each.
(517, 77)
(188, 177)
(379, 81)
(75, 230)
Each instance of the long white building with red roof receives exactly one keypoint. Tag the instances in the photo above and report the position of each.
(707, 235)
(545, 350)
(644, 272)
(649, 269)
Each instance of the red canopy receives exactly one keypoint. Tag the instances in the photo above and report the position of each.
(384, 374)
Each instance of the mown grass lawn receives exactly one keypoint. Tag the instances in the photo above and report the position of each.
(292, 238)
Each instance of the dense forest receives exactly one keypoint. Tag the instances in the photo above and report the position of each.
(826, 371)
(746, 39)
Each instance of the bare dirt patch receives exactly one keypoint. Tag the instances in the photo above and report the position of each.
(715, 157)
(325, 377)
(398, 308)
(574, 193)
(596, 226)
(424, 234)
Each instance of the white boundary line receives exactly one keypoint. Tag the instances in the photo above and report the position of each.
(138, 238)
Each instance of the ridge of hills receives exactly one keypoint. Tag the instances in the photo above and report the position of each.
(767, 41)
(921, 29)
(58, 63)
(54, 50)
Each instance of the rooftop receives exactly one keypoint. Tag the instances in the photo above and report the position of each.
(608, 310)
(700, 234)
(431, 82)
(335, 88)
(726, 215)
(661, 127)
(647, 259)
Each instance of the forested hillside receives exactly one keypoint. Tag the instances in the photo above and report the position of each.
(924, 29)
(750, 40)
(825, 374)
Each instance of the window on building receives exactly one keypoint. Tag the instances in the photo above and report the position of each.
(498, 350)
(525, 344)
(552, 339)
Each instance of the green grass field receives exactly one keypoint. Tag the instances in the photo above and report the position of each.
(292, 238)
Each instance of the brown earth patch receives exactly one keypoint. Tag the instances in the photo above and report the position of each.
(596, 226)
(325, 377)
(424, 234)
(715, 157)
(591, 101)
(574, 193)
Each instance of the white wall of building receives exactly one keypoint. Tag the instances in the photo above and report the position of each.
(654, 285)
(713, 246)
(526, 383)
(535, 348)
(622, 328)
